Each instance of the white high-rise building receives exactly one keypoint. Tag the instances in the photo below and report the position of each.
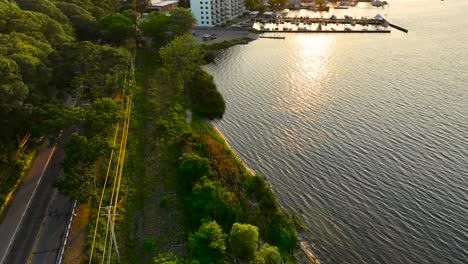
(210, 13)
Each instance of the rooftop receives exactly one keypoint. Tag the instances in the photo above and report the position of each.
(159, 3)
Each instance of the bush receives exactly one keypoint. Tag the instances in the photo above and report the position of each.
(210, 200)
(279, 230)
(243, 241)
(191, 168)
(164, 201)
(268, 255)
(208, 243)
(207, 102)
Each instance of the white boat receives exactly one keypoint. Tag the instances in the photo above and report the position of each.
(378, 3)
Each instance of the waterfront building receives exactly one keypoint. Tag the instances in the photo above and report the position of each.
(210, 13)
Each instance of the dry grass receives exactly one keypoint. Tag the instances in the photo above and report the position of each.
(76, 248)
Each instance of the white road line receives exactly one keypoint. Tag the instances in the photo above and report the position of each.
(27, 206)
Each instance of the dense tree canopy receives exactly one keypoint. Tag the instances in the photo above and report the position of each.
(40, 65)
(49, 8)
(156, 26)
(92, 76)
(36, 25)
(182, 57)
(85, 24)
(181, 21)
(162, 28)
(116, 28)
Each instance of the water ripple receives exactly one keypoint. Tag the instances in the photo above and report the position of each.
(364, 136)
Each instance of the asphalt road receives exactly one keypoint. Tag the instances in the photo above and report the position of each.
(52, 230)
(25, 224)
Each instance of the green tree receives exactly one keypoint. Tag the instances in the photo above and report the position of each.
(36, 25)
(156, 27)
(268, 255)
(79, 166)
(130, 14)
(182, 57)
(191, 168)
(184, 3)
(52, 118)
(48, 8)
(89, 71)
(207, 102)
(101, 117)
(85, 24)
(208, 243)
(116, 28)
(210, 200)
(181, 21)
(31, 55)
(13, 91)
(243, 241)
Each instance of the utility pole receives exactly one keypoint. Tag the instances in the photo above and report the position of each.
(114, 240)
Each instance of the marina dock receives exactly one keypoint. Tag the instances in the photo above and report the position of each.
(272, 37)
(319, 20)
(324, 25)
(326, 31)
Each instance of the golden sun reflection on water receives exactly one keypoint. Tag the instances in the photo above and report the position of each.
(305, 89)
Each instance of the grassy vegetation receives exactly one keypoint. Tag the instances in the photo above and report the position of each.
(227, 44)
(153, 222)
(252, 191)
(211, 49)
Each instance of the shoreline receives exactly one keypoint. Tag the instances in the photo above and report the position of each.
(303, 246)
(216, 130)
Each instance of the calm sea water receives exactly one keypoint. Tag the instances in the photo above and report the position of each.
(365, 136)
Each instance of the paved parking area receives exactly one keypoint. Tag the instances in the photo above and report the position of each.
(222, 34)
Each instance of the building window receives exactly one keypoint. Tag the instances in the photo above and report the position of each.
(203, 22)
(201, 3)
